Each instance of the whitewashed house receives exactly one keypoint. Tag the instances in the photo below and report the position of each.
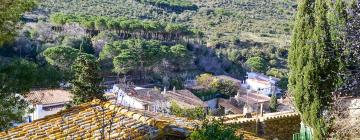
(46, 102)
(140, 98)
(262, 83)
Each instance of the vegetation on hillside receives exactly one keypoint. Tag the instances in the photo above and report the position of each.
(212, 85)
(171, 5)
(11, 11)
(234, 30)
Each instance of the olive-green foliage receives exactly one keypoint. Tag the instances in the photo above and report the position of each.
(257, 64)
(214, 130)
(273, 103)
(214, 85)
(193, 113)
(172, 5)
(11, 11)
(227, 87)
(313, 64)
(278, 73)
(176, 83)
(62, 57)
(86, 82)
(122, 24)
(83, 44)
(16, 79)
(139, 54)
(206, 80)
(283, 83)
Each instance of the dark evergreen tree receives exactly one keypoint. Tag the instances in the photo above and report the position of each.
(273, 103)
(86, 83)
(337, 16)
(313, 64)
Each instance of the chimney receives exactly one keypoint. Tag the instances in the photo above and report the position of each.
(164, 92)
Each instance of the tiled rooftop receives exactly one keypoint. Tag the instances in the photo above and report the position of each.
(148, 95)
(229, 78)
(226, 104)
(253, 98)
(185, 98)
(99, 120)
(48, 97)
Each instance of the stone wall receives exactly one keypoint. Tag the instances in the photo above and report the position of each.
(280, 127)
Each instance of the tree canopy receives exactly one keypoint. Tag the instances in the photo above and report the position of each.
(86, 82)
(11, 11)
(257, 64)
(62, 57)
(16, 79)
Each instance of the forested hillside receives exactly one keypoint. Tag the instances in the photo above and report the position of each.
(235, 30)
(222, 20)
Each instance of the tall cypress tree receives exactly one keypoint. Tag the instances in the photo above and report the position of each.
(86, 84)
(313, 64)
(337, 16)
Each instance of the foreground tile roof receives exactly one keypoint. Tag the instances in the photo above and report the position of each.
(100, 120)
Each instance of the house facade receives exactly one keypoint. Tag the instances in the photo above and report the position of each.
(140, 98)
(262, 83)
(46, 102)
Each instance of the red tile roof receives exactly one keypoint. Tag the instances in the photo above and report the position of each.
(185, 98)
(47, 97)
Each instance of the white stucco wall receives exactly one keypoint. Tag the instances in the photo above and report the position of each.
(39, 112)
(128, 101)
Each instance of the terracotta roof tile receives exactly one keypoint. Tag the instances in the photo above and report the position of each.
(185, 98)
(87, 121)
(49, 96)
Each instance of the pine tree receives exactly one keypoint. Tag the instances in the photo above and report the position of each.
(86, 84)
(313, 64)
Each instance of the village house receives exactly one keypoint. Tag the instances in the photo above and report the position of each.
(228, 107)
(262, 83)
(252, 101)
(46, 102)
(184, 98)
(149, 99)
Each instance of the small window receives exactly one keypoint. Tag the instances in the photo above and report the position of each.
(146, 107)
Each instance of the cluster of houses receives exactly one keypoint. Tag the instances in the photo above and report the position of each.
(254, 92)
